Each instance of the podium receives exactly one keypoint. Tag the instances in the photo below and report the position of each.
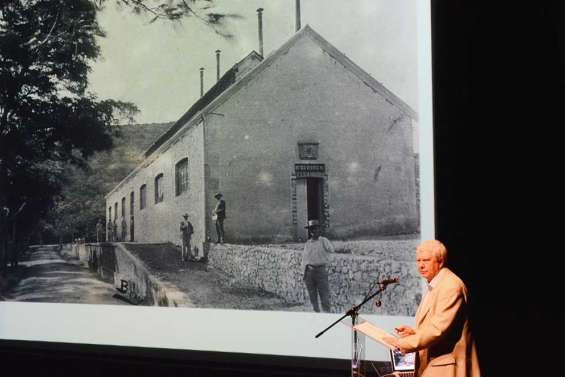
(359, 366)
(358, 347)
(362, 329)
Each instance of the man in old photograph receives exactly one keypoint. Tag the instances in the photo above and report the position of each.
(315, 260)
(186, 231)
(219, 215)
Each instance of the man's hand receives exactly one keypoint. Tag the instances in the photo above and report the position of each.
(403, 331)
(391, 340)
(394, 342)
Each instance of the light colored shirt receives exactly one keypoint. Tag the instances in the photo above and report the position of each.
(317, 252)
(435, 280)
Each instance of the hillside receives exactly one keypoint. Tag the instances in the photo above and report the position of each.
(82, 202)
(115, 164)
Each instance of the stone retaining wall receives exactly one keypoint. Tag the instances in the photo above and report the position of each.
(115, 264)
(278, 270)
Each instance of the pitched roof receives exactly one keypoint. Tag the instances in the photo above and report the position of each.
(227, 80)
(358, 71)
(229, 84)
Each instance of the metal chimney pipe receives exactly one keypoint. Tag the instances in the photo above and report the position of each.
(201, 81)
(298, 15)
(218, 65)
(260, 19)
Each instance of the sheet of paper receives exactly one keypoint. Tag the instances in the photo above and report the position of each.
(375, 333)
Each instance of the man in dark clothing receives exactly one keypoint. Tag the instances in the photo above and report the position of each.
(99, 230)
(219, 215)
(124, 230)
(110, 231)
(186, 231)
(115, 231)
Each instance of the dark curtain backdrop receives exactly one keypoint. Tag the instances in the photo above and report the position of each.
(499, 76)
(499, 87)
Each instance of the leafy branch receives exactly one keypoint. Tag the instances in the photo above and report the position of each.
(176, 10)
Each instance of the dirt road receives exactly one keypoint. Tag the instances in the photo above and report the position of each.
(46, 277)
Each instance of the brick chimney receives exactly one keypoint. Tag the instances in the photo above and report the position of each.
(218, 65)
(260, 20)
(298, 26)
(201, 81)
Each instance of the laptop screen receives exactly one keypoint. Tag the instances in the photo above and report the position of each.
(401, 362)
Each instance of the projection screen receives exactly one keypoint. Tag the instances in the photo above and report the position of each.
(322, 112)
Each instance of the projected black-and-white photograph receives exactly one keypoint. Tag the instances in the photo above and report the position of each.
(225, 154)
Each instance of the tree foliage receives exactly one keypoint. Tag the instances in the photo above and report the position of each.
(80, 204)
(178, 10)
(47, 117)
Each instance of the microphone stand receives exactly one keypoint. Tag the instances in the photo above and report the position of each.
(354, 313)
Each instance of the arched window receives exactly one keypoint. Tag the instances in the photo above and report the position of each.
(181, 176)
(142, 197)
(159, 194)
(123, 207)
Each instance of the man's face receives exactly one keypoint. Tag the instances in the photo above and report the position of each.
(315, 232)
(428, 266)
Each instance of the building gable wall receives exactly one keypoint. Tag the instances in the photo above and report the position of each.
(364, 141)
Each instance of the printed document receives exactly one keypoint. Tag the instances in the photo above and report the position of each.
(375, 333)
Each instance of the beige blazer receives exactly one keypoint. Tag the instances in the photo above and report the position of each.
(443, 339)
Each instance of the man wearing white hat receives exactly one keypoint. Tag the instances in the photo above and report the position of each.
(315, 259)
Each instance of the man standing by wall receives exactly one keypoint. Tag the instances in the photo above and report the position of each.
(124, 229)
(99, 228)
(315, 259)
(110, 231)
(186, 231)
(219, 215)
(442, 337)
(115, 234)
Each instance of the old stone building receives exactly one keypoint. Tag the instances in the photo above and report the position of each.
(302, 134)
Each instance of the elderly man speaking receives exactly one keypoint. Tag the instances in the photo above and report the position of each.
(442, 337)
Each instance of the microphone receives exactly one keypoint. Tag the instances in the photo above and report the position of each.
(386, 282)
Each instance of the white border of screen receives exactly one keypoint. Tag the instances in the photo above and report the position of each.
(256, 332)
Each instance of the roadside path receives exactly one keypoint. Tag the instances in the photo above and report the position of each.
(49, 278)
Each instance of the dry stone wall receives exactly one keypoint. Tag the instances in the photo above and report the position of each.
(115, 264)
(278, 270)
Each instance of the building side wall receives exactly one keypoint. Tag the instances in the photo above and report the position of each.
(160, 222)
(364, 141)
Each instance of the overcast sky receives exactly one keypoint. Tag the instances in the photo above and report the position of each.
(156, 66)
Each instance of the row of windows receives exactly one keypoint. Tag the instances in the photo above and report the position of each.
(181, 186)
